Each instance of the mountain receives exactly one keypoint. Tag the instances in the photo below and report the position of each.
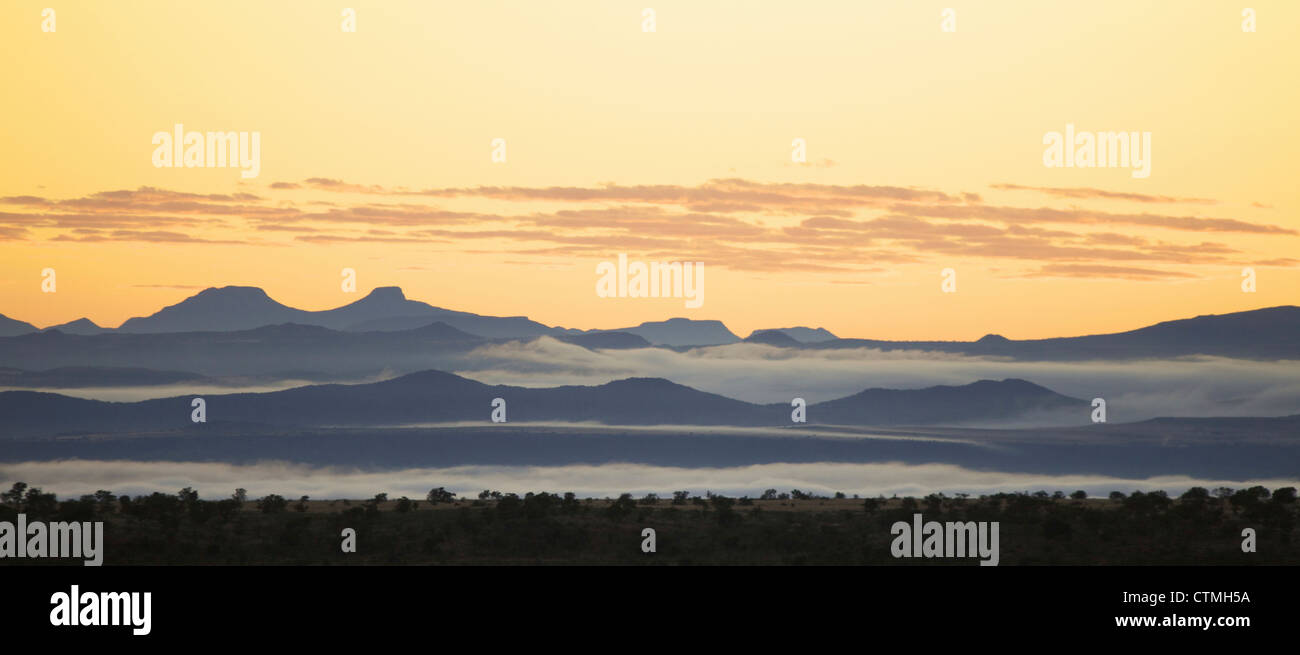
(1273, 330)
(68, 377)
(79, 326)
(438, 397)
(380, 303)
(773, 338)
(387, 309)
(1263, 334)
(425, 397)
(802, 334)
(383, 309)
(984, 400)
(682, 332)
(290, 350)
(1260, 334)
(213, 309)
(10, 327)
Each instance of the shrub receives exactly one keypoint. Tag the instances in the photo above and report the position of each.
(272, 504)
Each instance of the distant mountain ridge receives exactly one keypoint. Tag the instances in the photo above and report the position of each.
(773, 338)
(288, 350)
(79, 326)
(800, 334)
(682, 332)
(10, 327)
(439, 397)
(1268, 333)
(981, 400)
(232, 308)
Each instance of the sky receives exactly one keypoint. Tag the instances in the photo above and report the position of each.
(924, 152)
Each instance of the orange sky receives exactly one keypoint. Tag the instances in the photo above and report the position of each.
(924, 152)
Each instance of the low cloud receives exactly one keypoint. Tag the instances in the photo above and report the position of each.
(1086, 192)
(73, 478)
(737, 224)
(1135, 390)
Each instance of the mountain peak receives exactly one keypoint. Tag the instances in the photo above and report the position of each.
(678, 320)
(82, 326)
(680, 331)
(386, 294)
(232, 291)
(773, 338)
(648, 384)
(215, 309)
(10, 327)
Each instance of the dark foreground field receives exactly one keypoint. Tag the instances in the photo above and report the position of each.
(1201, 527)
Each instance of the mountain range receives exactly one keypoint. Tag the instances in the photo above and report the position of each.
(384, 309)
(439, 397)
(1271, 333)
(1267, 334)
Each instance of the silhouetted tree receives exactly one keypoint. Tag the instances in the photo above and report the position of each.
(39, 503)
(440, 495)
(1248, 501)
(15, 495)
(272, 504)
(622, 507)
(934, 503)
(189, 499)
(106, 500)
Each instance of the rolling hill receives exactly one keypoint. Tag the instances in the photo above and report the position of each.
(438, 397)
